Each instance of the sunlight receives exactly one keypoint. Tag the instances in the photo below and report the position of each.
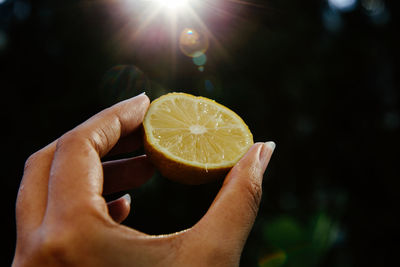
(179, 25)
(174, 5)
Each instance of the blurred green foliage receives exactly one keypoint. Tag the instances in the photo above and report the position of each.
(296, 244)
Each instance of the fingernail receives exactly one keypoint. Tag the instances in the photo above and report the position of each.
(128, 198)
(266, 152)
(271, 145)
(141, 94)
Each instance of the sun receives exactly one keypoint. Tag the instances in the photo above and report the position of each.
(172, 5)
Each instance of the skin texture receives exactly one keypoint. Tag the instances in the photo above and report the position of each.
(63, 219)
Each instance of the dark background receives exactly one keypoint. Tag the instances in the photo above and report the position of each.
(320, 81)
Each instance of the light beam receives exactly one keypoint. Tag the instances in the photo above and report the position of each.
(171, 5)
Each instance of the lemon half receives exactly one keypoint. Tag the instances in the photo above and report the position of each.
(193, 140)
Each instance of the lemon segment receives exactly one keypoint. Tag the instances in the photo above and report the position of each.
(194, 136)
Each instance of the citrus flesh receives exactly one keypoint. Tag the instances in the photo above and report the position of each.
(193, 140)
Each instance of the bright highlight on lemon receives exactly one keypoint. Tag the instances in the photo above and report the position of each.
(194, 140)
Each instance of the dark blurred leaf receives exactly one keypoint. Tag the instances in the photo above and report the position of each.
(284, 233)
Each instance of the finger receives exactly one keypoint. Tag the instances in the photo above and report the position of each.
(230, 218)
(126, 173)
(76, 177)
(32, 194)
(119, 208)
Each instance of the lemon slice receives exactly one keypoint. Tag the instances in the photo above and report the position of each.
(193, 140)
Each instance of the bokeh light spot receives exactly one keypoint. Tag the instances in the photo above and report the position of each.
(2, 1)
(342, 5)
(201, 68)
(373, 6)
(200, 60)
(332, 20)
(274, 259)
(284, 232)
(376, 10)
(208, 85)
(193, 43)
(22, 10)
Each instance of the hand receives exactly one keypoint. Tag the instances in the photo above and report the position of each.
(63, 220)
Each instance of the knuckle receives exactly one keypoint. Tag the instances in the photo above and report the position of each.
(105, 136)
(54, 245)
(100, 139)
(54, 248)
(62, 242)
(69, 138)
(72, 139)
(34, 158)
(100, 134)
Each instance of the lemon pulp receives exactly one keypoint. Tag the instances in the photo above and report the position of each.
(195, 131)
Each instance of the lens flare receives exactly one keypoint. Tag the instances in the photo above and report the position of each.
(193, 43)
(200, 60)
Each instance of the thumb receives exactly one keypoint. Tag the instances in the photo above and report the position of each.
(231, 216)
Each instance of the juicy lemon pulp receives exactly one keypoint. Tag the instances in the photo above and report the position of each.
(195, 133)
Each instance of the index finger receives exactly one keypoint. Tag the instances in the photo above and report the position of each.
(76, 176)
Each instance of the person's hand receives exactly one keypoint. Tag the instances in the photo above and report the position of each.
(63, 219)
